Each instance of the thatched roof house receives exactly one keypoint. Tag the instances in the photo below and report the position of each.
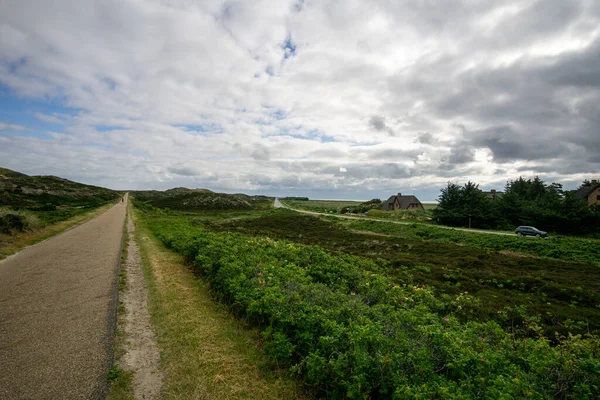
(399, 202)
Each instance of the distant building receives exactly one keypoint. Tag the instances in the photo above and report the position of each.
(399, 202)
(590, 192)
(493, 194)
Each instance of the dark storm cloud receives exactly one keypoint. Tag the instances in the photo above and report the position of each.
(508, 144)
(580, 69)
(537, 168)
(261, 153)
(424, 138)
(461, 153)
(378, 123)
(530, 108)
(535, 110)
(183, 171)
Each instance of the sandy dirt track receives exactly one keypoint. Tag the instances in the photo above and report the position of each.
(141, 353)
(57, 312)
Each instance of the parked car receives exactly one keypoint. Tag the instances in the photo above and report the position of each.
(530, 231)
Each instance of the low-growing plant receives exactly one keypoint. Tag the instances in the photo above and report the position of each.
(346, 327)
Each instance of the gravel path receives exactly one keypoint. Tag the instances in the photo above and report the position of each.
(57, 312)
(141, 353)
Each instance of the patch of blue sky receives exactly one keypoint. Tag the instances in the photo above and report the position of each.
(11, 102)
(279, 115)
(364, 144)
(14, 66)
(272, 114)
(201, 128)
(299, 5)
(22, 111)
(106, 128)
(289, 47)
(32, 134)
(314, 134)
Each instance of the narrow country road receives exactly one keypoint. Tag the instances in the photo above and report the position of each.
(278, 204)
(57, 312)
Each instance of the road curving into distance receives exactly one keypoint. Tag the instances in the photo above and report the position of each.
(57, 312)
(279, 204)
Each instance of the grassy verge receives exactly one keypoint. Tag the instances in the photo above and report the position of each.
(205, 351)
(12, 244)
(121, 387)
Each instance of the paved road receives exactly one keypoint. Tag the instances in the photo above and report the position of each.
(57, 312)
(278, 204)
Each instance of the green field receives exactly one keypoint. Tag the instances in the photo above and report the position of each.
(367, 309)
(323, 206)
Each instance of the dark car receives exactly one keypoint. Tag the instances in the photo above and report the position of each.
(530, 231)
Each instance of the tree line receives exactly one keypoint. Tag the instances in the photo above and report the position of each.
(524, 202)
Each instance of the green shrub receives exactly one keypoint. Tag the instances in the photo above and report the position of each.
(339, 322)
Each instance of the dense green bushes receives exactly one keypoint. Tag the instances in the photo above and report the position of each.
(554, 290)
(349, 330)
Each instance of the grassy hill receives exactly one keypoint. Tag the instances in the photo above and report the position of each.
(24, 191)
(30, 202)
(201, 200)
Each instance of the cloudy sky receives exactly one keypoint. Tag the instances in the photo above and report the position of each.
(330, 99)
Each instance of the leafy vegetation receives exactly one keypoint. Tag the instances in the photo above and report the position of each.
(206, 352)
(201, 200)
(31, 202)
(365, 327)
(524, 202)
(552, 290)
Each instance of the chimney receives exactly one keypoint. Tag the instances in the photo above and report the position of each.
(399, 194)
(493, 191)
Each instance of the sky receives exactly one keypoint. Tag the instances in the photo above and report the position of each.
(325, 99)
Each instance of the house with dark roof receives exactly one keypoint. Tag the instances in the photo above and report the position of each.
(400, 202)
(589, 193)
(493, 194)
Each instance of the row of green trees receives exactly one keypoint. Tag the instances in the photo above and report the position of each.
(524, 202)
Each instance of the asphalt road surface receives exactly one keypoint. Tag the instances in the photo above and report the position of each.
(57, 312)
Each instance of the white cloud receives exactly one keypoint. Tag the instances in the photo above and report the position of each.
(259, 95)
(52, 119)
(12, 127)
